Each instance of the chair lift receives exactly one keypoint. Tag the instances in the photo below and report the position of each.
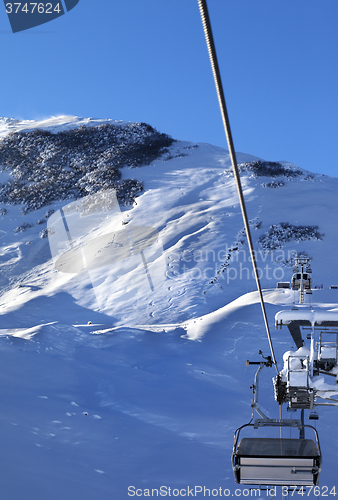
(301, 370)
(301, 279)
(275, 461)
(297, 390)
(297, 279)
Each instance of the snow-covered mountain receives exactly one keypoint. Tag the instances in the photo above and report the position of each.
(133, 373)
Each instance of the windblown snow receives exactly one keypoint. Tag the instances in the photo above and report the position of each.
(131, 374)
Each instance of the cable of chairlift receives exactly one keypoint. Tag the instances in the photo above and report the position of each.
(226, 122)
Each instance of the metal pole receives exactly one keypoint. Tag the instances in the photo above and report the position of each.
(302, 430)
(301, 285)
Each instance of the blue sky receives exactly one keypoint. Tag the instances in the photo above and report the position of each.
(147, 61)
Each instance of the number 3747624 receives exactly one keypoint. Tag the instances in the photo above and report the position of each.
(308, 491)
(33, 8)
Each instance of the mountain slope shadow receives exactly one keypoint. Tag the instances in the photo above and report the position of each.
(60, 307)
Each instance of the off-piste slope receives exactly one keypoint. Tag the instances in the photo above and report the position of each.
(149, 393)
(188, 196)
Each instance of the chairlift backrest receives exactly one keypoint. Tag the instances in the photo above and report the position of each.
(283, 284)
(298, 371)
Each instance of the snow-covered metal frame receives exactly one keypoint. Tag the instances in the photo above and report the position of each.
(299, 392)
(299, 382)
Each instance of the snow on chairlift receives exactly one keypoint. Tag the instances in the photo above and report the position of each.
(275, 461)
(299, 394)
(327, 349)
(292, 385)
(323, 322)
(300, 383)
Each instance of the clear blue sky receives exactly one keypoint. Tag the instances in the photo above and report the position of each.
(147, 61)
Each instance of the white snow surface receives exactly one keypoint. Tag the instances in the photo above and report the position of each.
(52, 124)
(143, 388)
(315, 317)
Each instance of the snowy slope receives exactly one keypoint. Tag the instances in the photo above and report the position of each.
(150, 393)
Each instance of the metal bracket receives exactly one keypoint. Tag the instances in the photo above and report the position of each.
(277, 422)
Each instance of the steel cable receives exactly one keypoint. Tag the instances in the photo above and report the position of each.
(220, 94)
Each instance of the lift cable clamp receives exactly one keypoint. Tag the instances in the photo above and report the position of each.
(268, 361)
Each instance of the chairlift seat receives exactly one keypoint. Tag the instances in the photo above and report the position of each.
(283, 284)
(276, 461)
(328, 352)
(298, 379)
